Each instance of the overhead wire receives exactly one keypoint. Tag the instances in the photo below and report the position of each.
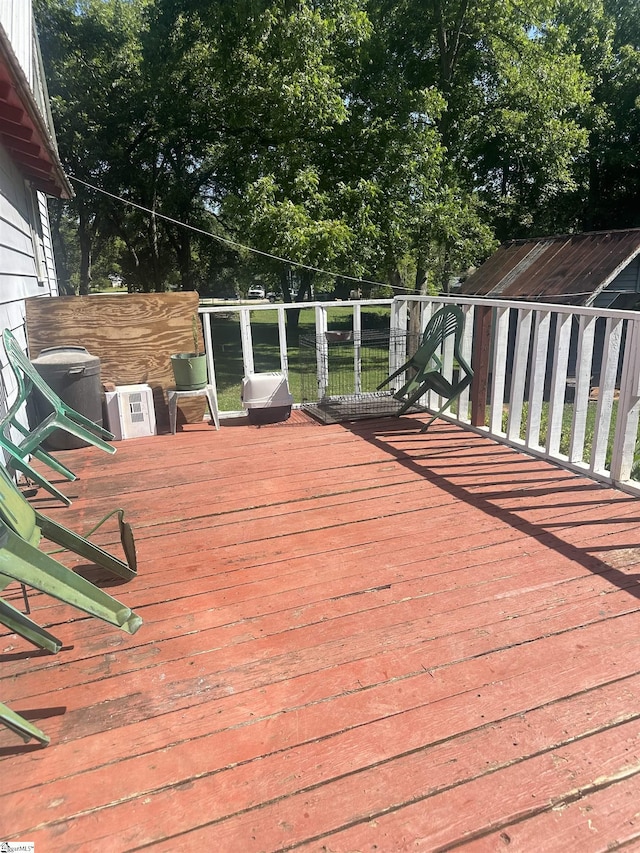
(233, 243)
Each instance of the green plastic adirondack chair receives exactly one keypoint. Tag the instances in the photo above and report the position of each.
(427, 364)
(20, 726)
(62, 417)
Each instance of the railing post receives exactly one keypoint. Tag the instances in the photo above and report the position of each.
(357, 343)
(247, 341)
(282, 338)
(480, 362)
(397, 334)
(208, 348)
(322, 351)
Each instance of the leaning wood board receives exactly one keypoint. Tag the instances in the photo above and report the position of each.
(133, 335)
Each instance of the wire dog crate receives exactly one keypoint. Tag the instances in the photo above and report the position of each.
(340, 372)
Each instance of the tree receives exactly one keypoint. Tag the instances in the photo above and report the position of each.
(92, 55)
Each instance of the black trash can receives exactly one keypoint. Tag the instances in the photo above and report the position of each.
(74, 375)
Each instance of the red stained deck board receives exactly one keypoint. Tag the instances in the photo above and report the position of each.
(580, 822)
(324, 607)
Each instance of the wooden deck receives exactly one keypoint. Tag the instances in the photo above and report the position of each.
(356, 638)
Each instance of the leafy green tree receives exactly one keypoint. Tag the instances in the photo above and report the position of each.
(92, 55)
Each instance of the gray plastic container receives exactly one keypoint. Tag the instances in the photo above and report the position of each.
(266, 397)
(74, 375)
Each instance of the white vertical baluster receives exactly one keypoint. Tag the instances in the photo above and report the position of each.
(466, 348)
(558, 383)
(247, 341)
(322, 351)
(584, 360)
(282, 337)
(519, 375)
(499, 368)
(604, 409)
(538, 376)
(357, 361)
(625, 440)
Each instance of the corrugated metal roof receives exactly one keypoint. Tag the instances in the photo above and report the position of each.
(571, 269)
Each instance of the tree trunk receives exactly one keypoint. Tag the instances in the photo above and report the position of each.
(85, 237)
(395, 280)
(293, 314)
(183, 253)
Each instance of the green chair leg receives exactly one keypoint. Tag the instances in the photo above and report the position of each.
(79, 545)
(16, 463)
(20, 726)
(26, 564)
(21, 624)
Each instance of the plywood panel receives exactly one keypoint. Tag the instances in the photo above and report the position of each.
(133, 335)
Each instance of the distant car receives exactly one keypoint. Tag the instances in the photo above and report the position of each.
(256, 291)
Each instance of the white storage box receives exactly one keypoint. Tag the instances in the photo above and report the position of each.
(130, 411)
(266, 397)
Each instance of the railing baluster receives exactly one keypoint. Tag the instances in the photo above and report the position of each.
(626, 434)
(538, 377)
(586, 333)
(604, 409)
(322, 351)
(558, 383)
(247, 341)
(357, 360)
(519, 374)
(282, 339)
(397, 334)
(208, 348)
(500, 341)
(466, 347)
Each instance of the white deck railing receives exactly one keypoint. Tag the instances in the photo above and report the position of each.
(555, 381)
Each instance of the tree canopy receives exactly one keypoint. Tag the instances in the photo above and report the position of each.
(392, 141)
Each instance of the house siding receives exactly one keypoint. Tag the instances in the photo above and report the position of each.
(27, 266)
(17, 21)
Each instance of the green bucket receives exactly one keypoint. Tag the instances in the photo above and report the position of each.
(189, 370)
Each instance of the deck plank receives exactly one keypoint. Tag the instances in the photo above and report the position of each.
(356, 638)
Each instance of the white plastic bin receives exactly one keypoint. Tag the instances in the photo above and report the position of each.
(266, 397)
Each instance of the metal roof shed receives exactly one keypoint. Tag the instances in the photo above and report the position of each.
(600, 269)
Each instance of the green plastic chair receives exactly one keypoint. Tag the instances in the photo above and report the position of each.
(20, 726)
(427, 364)
(62, 417)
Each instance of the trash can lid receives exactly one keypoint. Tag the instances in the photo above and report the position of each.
(59, 361)
(65, 356)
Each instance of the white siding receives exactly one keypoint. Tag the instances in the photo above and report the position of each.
(16, 20)
(19, 276)
(26, 254)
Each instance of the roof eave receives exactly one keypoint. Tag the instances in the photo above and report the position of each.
(23, 130)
